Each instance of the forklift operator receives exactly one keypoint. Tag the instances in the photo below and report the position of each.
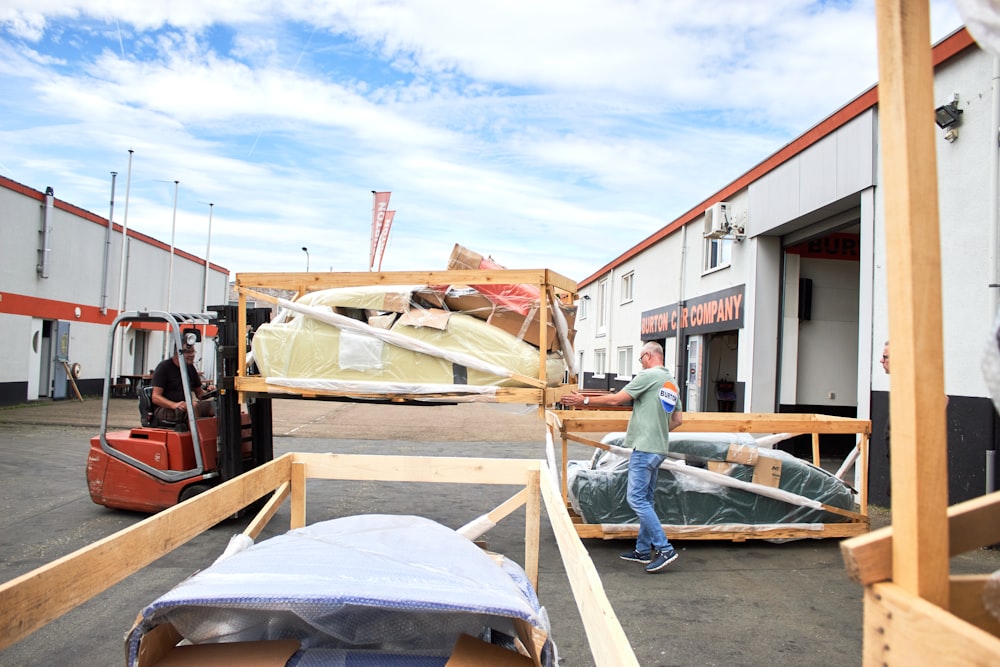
(168, 389)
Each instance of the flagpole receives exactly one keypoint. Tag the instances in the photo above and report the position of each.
(121, 278)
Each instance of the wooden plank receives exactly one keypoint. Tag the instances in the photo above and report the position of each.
(913, 266)
(967, 602)
(727, 422)
(532, 527)
(728, 532)
(608, 643)
(298, 503)
(258, 385)
(904, 629)
(267, 512)
(973, 524)
(325, 280)
(38, 597)
(433, 469)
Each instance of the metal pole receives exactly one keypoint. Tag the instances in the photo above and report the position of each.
(107, 249)
(170, 271)
(121, 278)
(208, 248)
(306, 251)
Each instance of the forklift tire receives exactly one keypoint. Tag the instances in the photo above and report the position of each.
(190, 492)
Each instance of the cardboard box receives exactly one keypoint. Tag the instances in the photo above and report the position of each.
(472, 652)
(526, 327)
(767, 471)
(745, 454)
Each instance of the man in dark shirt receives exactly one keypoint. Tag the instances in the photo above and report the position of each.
(168, 389)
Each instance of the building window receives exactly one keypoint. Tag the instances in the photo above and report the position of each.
(625, 362)
(599, 360)
(583, 308)
(602, 306)
(718, 253)
(628, 280)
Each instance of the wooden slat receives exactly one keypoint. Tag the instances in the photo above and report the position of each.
(709, 532)
(973, 524)
(608, 643)
(267, 512)
(532, 527)
(904, 629)
(38, 597)
(435, 469)
(967, 602)
(324, 280)
(258, 385)
(913, 267)
(727, 422)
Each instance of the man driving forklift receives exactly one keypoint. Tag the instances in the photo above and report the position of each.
(168, 388)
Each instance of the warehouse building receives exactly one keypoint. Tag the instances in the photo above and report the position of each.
(62, 285)
(771, 294)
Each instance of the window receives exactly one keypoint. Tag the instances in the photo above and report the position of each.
(628, 280)
(599, 360)
(583, 308)
(602, 306)
(625, 362)
(718, 253)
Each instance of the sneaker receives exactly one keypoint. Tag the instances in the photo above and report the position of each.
(661, 560)
(636, 556)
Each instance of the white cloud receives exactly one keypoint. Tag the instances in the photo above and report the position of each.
(552, 134)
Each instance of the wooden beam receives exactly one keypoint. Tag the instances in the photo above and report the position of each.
(904, 629)
(917, 407)
(608, 643)
(267, 512)
(434, 469)
(532, 527)
(972, 524)
(38, 597)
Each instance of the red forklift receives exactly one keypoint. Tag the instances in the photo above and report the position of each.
(156, 465)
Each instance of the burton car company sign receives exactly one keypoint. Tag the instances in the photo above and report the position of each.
(718, 311)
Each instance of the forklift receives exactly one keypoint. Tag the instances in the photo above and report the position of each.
(156, 465)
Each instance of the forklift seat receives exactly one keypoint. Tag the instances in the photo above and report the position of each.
(147, 414)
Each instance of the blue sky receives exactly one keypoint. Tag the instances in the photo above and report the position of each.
(548, 134)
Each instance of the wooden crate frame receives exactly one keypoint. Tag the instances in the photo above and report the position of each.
(915, 611)
(547, 281)
(566, 425)
(37, 598)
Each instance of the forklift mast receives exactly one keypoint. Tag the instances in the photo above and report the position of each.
(231, 463)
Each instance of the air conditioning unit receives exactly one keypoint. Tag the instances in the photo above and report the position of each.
(717, 220)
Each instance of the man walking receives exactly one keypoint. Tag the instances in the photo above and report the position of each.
(653, 395)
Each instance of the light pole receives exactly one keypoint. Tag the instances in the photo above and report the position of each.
(208, 248)
(306, 251)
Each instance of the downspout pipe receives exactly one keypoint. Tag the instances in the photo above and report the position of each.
(46, 234)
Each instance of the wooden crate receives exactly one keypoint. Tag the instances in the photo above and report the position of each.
(549, 284)
(34, 599)
(567, 425)
(915, 611)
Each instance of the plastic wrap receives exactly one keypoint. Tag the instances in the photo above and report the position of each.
(712, 479)
(378, 334)
(400, 585)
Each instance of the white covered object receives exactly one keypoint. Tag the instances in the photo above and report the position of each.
(395, 584)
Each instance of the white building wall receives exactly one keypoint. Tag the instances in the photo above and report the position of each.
(73, 289)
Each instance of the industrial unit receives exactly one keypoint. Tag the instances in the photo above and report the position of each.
(62, 283)
(771, 294)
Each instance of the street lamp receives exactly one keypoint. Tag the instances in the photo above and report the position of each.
(306, 251)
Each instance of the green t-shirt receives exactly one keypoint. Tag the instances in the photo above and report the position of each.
(649, 426)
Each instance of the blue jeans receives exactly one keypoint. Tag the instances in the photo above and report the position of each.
(642, 470)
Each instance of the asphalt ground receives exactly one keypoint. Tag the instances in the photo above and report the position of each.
(720, 603)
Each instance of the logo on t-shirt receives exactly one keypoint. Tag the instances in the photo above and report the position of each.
(668, 396)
